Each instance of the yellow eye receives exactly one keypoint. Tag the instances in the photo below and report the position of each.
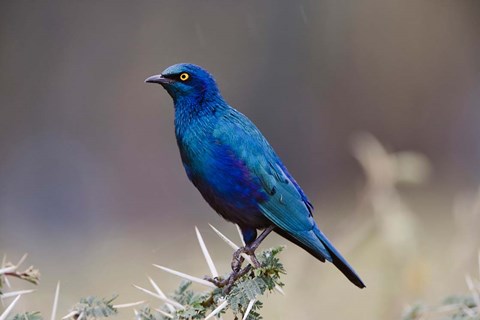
(184, 76)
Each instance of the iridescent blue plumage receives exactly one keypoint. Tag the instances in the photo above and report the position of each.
(235, 168)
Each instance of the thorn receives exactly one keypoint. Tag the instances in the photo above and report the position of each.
(71, 314)
(240, 234)
(7, 269)
(206, 254)
(188, 277)
(16, 293)
(9, 308)
(22, 259)
(128, 305)
(172, 302)
(224, 238)
(231, 244)
(55, 301)
(249, 308)
(168, 315)
(471, 287)
(479, 263)
(7, 282)
(160, 293)
(279, 289)
(5, 279)
(217, 310)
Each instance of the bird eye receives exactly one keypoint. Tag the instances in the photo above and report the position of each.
(184, 76)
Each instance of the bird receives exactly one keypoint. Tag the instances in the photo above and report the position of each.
(237, 171)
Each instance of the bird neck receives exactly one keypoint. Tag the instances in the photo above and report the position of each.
(192, 113)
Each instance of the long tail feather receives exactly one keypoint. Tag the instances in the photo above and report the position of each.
(339, 261)
(318, 245)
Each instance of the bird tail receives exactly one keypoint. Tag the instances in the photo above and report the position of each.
(318, 245)
(338, 260)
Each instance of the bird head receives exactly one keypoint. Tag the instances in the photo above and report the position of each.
(186, 81)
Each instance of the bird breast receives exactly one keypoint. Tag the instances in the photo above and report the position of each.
(224, 180)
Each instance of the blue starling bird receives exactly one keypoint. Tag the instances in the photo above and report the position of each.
(236, 170)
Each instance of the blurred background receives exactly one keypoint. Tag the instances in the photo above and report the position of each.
(372, 105)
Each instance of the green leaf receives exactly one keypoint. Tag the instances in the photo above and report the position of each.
(27, 316)
(95, 308)
(147, 314)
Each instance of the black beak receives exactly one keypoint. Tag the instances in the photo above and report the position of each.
(158, 79)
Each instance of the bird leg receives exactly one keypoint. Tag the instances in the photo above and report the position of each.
(238, 260)
(254, 245)
(250, 250)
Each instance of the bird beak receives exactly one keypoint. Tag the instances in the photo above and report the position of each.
(158, 79)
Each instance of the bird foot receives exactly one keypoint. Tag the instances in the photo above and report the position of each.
(219, 282)
(238, 259)
(237, 271)
(227, 283)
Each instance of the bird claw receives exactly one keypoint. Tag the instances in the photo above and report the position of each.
(238, 259)
(237, 271)
(227, 283)
(217, 281)
(237, 262)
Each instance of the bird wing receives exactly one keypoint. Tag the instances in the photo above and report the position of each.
(286, 206)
